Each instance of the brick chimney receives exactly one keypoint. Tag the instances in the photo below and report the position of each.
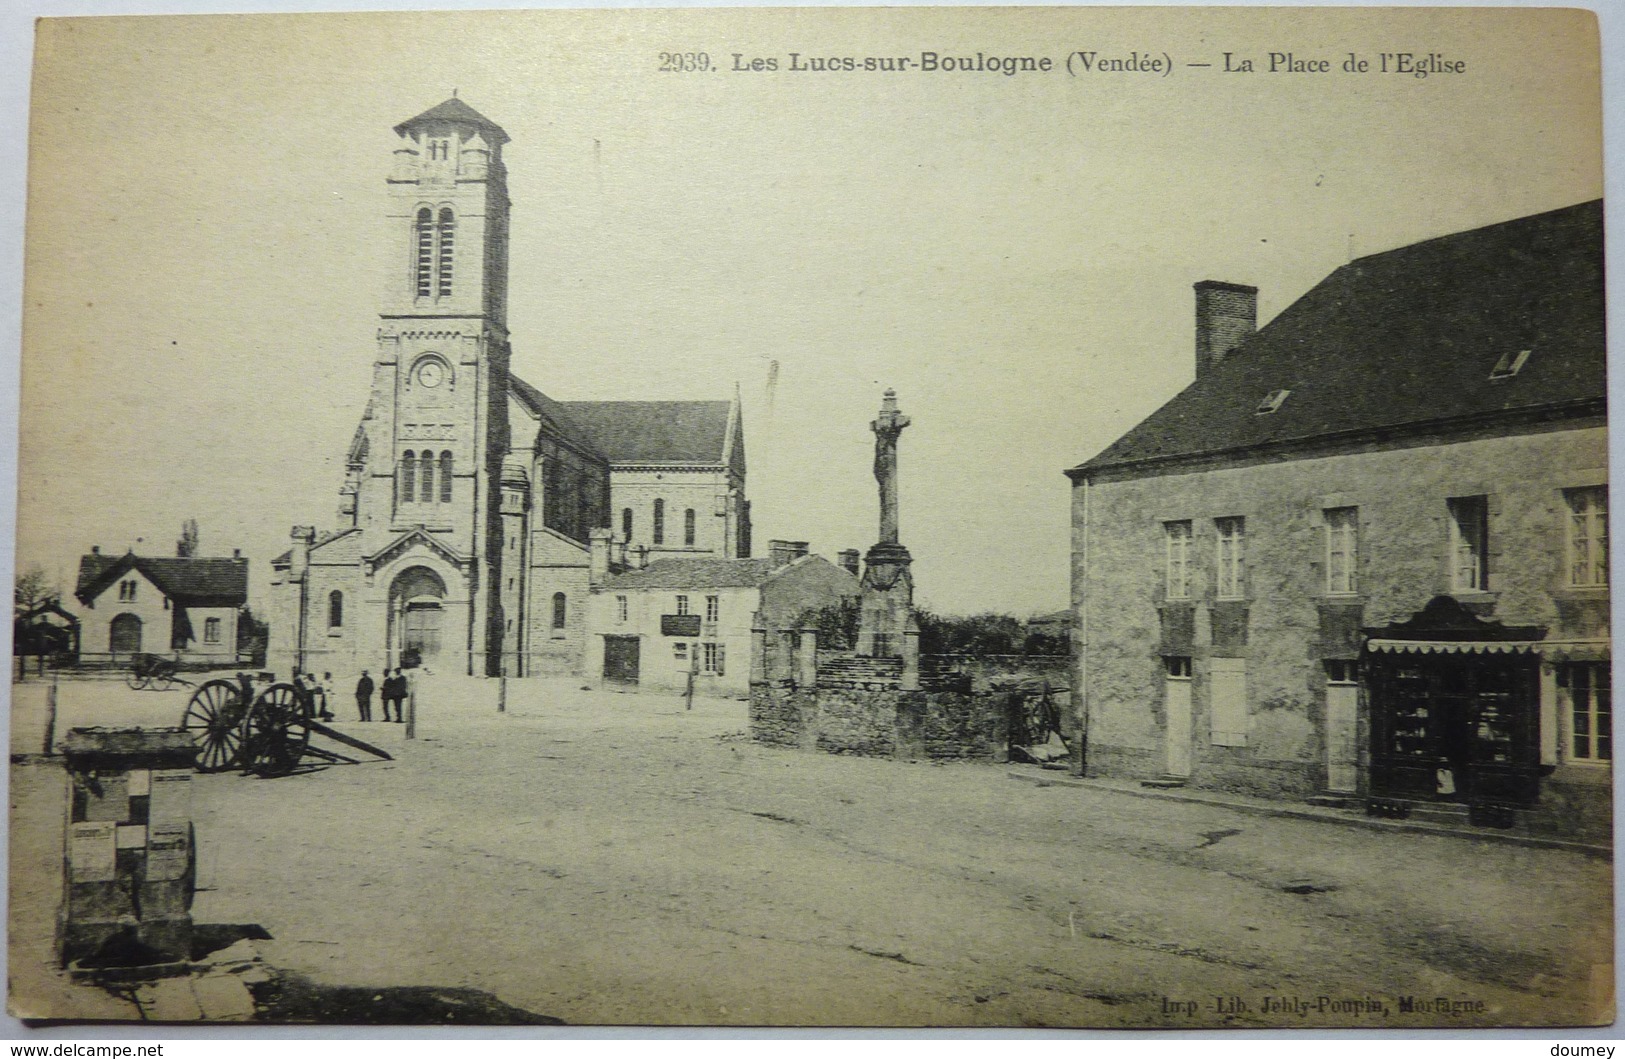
(849, 561)
(598, 543)
(785, 552)
(1226, 313)
(299, 559)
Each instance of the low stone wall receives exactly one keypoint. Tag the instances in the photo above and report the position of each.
(988, 668)
(905, 725)
(1581, 811)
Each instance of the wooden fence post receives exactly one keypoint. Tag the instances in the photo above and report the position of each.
(50, 717)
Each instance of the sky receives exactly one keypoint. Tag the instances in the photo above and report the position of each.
(1014, 255)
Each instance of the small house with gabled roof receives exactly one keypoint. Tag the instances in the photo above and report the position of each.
(653, 627)
(1364, 554)
(183, 607)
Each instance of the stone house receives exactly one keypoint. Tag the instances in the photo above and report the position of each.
(1364, 553)
(185, 607)
(651, 627)
(470, 496)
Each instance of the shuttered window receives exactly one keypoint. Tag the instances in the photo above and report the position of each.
(1228, 701)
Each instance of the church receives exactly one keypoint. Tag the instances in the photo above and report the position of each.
(472, 501)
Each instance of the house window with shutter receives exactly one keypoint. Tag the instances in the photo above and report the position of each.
(1469, 544)
(1587, 540)
(1342, 550)
(1177, 554)
(1232, 557)
(1590, 694)
(712, 658)
(1228, 718)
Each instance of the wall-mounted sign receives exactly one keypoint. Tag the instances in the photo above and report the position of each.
(679, 625)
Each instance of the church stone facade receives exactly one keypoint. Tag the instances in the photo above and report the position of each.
(471, 499)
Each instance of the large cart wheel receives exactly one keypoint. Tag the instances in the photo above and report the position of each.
(214, 716)
(275, 733)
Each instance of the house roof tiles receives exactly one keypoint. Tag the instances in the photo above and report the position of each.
(455, 110)
(196, 582)
(1404, 341)
(655, 431)
(695, 574)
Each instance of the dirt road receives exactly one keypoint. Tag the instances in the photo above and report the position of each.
(610, 858)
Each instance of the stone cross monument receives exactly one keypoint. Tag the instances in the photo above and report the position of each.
(888, 427)
(886, 607)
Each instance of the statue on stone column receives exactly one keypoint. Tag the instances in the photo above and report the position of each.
(888, 425)
(886, 626)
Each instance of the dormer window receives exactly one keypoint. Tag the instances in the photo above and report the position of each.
(1271, 403)
(1510, 364)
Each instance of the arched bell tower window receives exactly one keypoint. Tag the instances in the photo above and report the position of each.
(426, 478)
(335, 609)
(425, 253)
(409, 467)
(559, 605)
(445, 477)
(434, 245)
(447, 230)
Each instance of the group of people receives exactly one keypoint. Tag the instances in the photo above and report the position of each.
(318, 691)
(393, 692)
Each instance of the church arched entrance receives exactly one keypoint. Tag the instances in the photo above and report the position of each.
(417, 612)
(124, 635)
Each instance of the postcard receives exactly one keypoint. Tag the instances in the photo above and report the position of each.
(924, 517)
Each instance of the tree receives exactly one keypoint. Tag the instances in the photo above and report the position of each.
(837, 624)
(252, 637)
(979, 635)
(33, 589)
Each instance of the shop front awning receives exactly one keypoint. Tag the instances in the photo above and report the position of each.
(1549, 648)
(1454, 647)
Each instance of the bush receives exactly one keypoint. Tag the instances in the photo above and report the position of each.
(837, 624)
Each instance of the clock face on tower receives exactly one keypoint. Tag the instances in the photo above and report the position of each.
(430, 374)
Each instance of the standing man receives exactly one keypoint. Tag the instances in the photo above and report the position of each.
(388, 692)
(363, 696)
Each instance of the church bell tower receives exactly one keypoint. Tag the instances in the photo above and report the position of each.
(439, 397)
